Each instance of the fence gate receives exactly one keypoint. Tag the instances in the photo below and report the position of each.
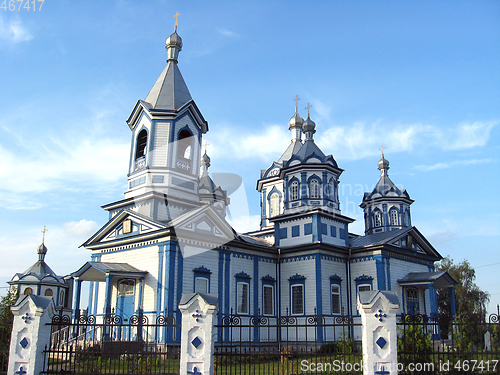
(287, 345)
(108, 345)
(443, 344)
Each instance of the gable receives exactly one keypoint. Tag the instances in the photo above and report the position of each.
(123, 225)
(204, 222)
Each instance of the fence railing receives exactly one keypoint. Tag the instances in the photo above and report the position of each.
(107, 344)
(287, 344)
(447, 344)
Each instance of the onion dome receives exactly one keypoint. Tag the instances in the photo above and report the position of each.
(205, 163)
(295, 121)
(173, 46)
(383, 164)
(309, 128)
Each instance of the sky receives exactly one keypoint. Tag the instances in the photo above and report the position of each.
(421, 78)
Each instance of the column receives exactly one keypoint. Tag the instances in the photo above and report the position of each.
(197, 343)
(451, 291)
(378, 318)
(76, 301)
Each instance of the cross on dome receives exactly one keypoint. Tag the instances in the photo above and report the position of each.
(177, 14)
(296, 100)
(309, 106)
(43, 234)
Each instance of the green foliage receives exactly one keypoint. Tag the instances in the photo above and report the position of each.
(414, 344)
(469, 299)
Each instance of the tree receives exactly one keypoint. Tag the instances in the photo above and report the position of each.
(6, 319)
(469, 299)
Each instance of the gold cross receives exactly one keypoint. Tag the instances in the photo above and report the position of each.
(382, 149)
(206, 146)
(43, 232)
(308, 107)
(176, 15)
(296, 100)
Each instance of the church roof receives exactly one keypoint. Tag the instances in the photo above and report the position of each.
(96, 271)
(169, 91)
(440, 279)
(292, 149)
(378, 238)
(38, 273)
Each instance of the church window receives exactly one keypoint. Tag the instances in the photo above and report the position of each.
(126, 287)
(48, 292)
(28, 291)
(142, 140)
(184, 145)
(201, 285)
(412, 294)
(335, 299)
(378, 219)
(314, 189)
(394, 217)
(268, 300)
(295, 191)
(275, 204)
(364, 288)
(242, 298)
(297, 299)
(61, 298)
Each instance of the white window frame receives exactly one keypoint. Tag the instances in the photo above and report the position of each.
(394, 217)
(413, 298)
(314, 186)
(264, 305)
(336, 295)
(274, 205)
(378, 219)
(127, 291)
(294, 194)
(239, 296)
(364, 285)
(292, 306)
(206, 279)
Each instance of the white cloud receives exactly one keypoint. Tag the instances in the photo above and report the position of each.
(457, 163)
(265, 145)
(469, 135)
(82, 229)
(228, 33)
(14, 31)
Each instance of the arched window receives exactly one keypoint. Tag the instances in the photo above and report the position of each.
(28, 291)
(394, 217)
(48, 293)
(378, 219)
(294, 191)
(142, 140)
(313, 185)
(184, 145)
(412, 294)
(274, 205)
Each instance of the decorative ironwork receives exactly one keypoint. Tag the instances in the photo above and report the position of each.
(259, 320)
(165, 320)
(315, 319)
(231, 320)
(138, 319)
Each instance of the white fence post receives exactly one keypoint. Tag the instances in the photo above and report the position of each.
(30, 334)
(197, 344)
(380, 339)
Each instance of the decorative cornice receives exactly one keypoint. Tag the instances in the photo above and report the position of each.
(296, 277)
(202, 269)
(363, 278)
(242, 275)
(268, 278)
(335, 277)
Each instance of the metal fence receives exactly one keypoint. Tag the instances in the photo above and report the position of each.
(443, 344)
(287, 345)
(98, 345)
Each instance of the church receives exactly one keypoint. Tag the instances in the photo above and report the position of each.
(169, 234)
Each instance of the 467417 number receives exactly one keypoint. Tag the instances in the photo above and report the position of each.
(21, 5)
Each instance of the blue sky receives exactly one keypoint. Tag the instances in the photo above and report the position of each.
(421, 78)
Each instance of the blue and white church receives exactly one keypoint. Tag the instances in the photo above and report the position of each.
(169, 234)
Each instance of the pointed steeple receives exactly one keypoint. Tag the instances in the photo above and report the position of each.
(170, 91)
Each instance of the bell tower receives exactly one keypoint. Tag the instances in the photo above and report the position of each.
(165, 150)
